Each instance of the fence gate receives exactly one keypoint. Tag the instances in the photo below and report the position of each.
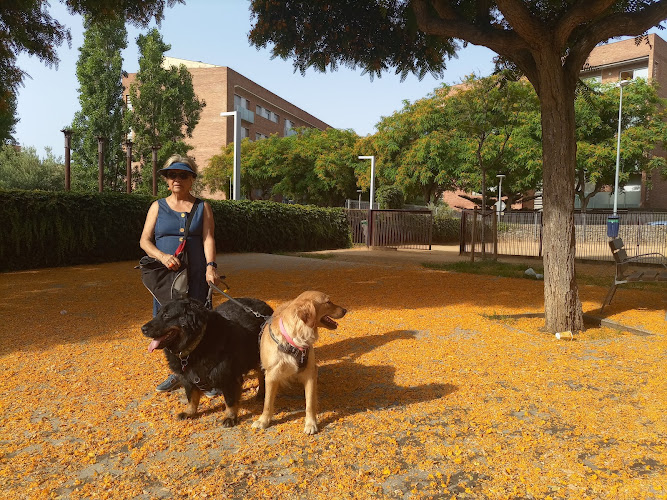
(392, 228)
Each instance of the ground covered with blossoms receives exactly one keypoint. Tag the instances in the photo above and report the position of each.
(435, 385)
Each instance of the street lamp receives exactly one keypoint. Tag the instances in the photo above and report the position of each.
(372, 159)
(621, 84)
(236, 194)
(500, 193)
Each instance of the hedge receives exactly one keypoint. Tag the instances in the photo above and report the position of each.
(48, 229)
(446, 230)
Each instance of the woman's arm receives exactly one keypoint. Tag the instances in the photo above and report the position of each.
(208, 238)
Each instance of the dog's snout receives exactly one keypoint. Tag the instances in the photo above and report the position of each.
(144, 329)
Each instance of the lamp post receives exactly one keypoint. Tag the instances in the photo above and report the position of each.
(500, 193)
(372, 159)
(68, 146)
(236, 193)
(128, 165)
(100, 163)
(621, 84)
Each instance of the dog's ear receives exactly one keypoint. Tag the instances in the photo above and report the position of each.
(306, 313)
(195, 315)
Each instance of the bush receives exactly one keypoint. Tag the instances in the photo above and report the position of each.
(64, 228)
(390, 197)
(446, 230)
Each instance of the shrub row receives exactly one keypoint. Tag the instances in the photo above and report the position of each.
(446, 230)
(59, 228)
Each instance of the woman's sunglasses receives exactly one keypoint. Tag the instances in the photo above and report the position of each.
(178, 175)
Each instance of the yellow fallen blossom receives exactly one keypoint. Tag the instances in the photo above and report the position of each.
(433, 386)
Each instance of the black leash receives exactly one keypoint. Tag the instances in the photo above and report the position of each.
(243, 306)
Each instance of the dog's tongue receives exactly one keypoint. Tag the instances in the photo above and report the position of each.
(155, 344)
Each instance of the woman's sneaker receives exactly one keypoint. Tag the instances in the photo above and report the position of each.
(170, 384)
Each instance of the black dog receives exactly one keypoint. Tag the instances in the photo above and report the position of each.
(210, 349)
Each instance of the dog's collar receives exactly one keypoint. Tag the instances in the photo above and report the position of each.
(300, 354)
(183, 355)
(287, 337)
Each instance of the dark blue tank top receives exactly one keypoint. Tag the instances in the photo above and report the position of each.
(169, 229)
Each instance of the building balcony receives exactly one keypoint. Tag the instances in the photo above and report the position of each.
(245, 114)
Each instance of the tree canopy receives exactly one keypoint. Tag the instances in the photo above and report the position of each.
(23, 169)
(643, 127)
(548, 41)
(99, 72)
(312, 167)
(163, 108)
(27, 27)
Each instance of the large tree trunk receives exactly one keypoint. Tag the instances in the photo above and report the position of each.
(562, 307)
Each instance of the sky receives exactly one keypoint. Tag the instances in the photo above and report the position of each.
(216, 32)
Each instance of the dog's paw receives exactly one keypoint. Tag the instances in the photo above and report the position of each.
(184, 416)
(260, 424)
(310, 428)
(230, 421)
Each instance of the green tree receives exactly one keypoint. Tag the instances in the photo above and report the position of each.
(262, 162)
(643, 128)
(164, 108)
(99, 72)
(23, 169)
(548, 41)
(390, 197)
(312, 167)
(415, 149)
(487, 115)
(29, 28)
(320, 167)
(8, 118)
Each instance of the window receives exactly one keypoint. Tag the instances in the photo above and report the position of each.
(632, 74)
(241, 102)
(259, 135)
(245, 132)
(269, 115)
(593, 79)
(289, 128)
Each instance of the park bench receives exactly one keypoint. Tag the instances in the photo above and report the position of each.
(624, 273)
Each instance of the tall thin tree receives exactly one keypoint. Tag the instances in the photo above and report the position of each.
(164, 109)
(99, 71)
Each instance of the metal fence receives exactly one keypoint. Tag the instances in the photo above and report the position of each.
(520, 233)
(411, 229)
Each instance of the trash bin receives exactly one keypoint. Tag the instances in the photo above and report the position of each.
(612, 226)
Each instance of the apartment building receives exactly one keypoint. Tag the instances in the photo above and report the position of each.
(261, 112)
(627, 60)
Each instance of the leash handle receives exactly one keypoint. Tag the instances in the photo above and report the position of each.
(243, 306)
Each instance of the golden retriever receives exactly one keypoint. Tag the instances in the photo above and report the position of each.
(287, 352)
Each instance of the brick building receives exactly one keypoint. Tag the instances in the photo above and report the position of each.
(261, 112)
(625, 60)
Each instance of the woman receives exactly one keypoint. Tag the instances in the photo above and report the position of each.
(163, 230)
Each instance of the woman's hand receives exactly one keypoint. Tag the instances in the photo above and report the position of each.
(170, 262)
(212, 275)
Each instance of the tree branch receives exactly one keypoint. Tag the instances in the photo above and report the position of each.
(582, 12)
(621, 24)
(450, 24)
(523, 22)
